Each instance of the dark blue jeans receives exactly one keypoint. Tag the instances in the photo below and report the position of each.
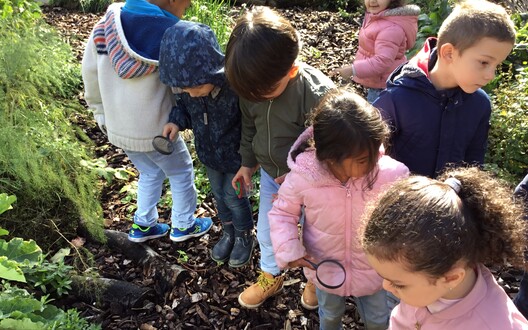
(228, 205)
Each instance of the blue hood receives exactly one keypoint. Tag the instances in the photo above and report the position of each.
(190, 56)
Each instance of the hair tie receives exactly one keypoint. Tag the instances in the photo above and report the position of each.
(454, 183)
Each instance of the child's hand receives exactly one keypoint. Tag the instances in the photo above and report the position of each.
(170, 130)
(280, 179)
(244, 174)
(301, 262)
(346, 72)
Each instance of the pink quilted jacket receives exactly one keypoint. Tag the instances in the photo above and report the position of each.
(333, 214)
(383, 40)
(486, 307)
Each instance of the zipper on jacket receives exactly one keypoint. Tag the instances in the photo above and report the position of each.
(205, 119)
(347, 188)
(269, 138)
(417, 326)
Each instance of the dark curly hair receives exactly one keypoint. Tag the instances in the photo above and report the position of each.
(428, 226)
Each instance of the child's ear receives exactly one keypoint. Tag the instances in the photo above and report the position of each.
(454, 277)
(293, 71)
(446, 52)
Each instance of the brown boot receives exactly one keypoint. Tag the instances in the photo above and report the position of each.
(266, 286)
(309, 298)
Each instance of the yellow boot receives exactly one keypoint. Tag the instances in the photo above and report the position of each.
(266, 286)
(309, 298)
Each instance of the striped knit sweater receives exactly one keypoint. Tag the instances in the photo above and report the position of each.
(122, 83)
(108, 41)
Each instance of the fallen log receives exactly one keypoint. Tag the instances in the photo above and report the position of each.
(164, 274)
(108, 291)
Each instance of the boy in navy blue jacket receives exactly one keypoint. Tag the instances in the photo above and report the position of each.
(434, 104)
(192, 63)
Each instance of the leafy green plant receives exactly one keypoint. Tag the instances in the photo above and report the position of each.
(214, 13)
(130, 191)
(22, 11)
(23, 260)
(16, 255)
(182, 257)
(434, 12)
(508, 136)
(6, 203)
(40, 146)
(93, 6)
(50, 277)
(101, 168)
(201, 181)
(19, 310)
(519, 54)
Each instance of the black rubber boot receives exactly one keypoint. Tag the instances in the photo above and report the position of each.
(244, 244)
(223, 247)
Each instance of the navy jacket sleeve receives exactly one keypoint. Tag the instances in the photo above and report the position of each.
(180, 116)
(477, 149)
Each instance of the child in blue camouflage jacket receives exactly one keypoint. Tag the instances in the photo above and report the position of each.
(192, 63)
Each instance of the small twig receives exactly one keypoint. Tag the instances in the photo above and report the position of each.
(76, 249)
(218, 309)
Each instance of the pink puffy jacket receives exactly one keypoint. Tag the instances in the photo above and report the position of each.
(333, 214)
(486, 307)
(383, 40)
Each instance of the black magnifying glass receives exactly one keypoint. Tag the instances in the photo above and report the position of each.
(163, 144)
(330, 273)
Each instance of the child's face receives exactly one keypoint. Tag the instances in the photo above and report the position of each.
(351, 167)
(415, 289)
(356, 167)
(375, 6)
(477, 65)
(199, 91)
(177, 7)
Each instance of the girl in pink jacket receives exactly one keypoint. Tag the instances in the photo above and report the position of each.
(336, 168)
(429, 239)
(388, 31)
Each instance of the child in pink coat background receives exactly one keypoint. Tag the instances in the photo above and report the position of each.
(429, 239)
(388, 31)
(336, 168)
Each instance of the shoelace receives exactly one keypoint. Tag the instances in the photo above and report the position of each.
(265, 282)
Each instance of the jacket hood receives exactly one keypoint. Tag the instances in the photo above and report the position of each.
(190, 56)
(307, 162)
(129, 60)
(407, 18)
(417, 68)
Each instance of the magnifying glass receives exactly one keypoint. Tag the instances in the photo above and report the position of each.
(330, 273)
(163, 144)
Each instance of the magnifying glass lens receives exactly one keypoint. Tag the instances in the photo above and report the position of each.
(331, 274)
(162, 145)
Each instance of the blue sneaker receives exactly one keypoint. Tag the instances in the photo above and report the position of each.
(200, 227)
(141, 234)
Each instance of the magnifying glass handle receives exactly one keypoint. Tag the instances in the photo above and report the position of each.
(314, 265)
